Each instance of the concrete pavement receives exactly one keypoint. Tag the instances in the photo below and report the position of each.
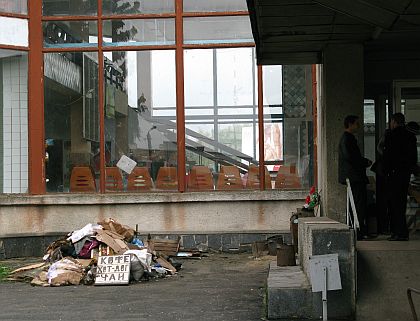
(219, 287)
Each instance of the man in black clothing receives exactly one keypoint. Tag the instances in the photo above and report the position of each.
(353, 166)
(400, 160)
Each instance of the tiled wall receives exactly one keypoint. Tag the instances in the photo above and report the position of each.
(14, 140)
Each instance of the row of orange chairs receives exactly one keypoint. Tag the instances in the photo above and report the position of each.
(200, 178)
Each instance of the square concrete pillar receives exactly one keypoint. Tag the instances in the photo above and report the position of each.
(342, 93)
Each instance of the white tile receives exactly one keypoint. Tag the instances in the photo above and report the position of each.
(23, 151)
(24, 144)
(7, 152)
(16, 81)
(16, 178)
(7, 128)
(7, 168)
(7, 189)
(23, 113)
(23, 88)
(7, 183)
(16, 190)
(7, 137)
(7, 112)
(15, 125)
(15, 112)
(23, 166)
(23, 183)
(16, 137)
(24, 121)
(15, 167)
(15, 89)
(23, 175)
(7, 161)
(23, 96)
(24, 159)
(16, 104)
(7, 175)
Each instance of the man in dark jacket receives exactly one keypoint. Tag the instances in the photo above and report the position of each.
(353, 166)
(400, 160)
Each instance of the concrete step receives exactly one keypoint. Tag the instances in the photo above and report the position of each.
(289, 294)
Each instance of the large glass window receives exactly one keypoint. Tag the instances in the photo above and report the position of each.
(111, 7)
(140, 99)
(13, 121)
(214, 5)
(13, 31)
(230, 29)
(14, 6)
(71, 121)
(70, 33)
(288, 126)
(139, 32)
(133, 127)
(69, 7)
(221, 119)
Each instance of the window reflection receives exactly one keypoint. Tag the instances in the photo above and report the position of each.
(13, 31)
(221, 119)
(134, 126)
(14, 6)
(71, 122)
(111, 7)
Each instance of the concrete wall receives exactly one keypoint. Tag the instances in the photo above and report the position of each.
(343, 90)
(320, 236)
(233, 212)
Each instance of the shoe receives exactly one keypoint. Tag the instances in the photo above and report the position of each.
(365, 237)
(397, 238)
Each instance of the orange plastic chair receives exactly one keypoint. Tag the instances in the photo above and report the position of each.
(139, 180)
(229, 178)
(167, 178)
(82, 180)
(287, 178)
(113, 179)
(253, 181)
(200, 179)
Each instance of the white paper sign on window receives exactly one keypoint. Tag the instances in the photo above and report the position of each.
(126, 164)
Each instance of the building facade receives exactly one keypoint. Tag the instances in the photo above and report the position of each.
(171, 87)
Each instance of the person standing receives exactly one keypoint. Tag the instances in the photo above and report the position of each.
(353, 166)
(400, 160)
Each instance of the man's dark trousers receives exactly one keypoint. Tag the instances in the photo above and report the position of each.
(398, 182)
(360, 201)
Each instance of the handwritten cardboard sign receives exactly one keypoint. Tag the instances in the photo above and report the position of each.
(113, 270)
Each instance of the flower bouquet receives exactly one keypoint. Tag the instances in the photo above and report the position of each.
(312, 200)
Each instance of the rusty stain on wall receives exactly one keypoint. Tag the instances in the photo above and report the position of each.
(167, 217)
(261, 214)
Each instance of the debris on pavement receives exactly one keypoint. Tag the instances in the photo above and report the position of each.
(104, 253)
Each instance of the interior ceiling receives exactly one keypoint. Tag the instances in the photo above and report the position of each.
(297, 31)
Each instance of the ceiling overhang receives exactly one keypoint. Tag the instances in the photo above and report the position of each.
(297, 31)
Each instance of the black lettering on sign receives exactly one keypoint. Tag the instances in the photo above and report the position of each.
(121, 277)
(112, 277)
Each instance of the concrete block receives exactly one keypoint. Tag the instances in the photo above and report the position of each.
(250, 238)
(321, 235)
(188, 241)
(289, 294)
(200, 239)
(233, 240)
(215, 241)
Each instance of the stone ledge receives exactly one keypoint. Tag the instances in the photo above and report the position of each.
(144, 198)
(289, 294)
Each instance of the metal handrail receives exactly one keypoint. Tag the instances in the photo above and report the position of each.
(410, 301)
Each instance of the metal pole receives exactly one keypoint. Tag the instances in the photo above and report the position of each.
(324, 297)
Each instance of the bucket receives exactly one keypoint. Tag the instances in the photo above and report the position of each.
(285, 255)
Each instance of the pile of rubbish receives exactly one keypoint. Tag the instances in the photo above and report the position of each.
(103, 253)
